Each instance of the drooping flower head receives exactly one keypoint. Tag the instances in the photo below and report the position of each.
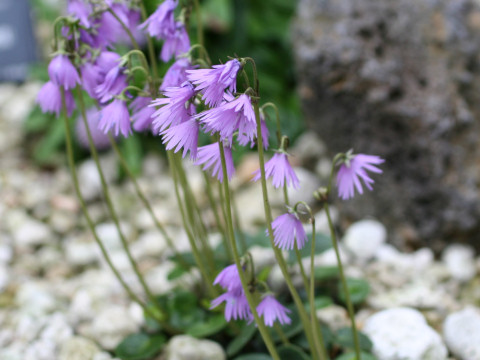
(236, 306)
(234, 114)
(183, 136)
(272, 310)
(212, 83)
(161, 23)
(280, 170)
(229, 278)
(115, 116)
(176, 74)
(80, 10)
(141, 113)
(50, 99)
(244, 140)
(176, 43)
(62, 72)
(209, 156)
(100, 139)
(173, 109)
(286, 229)
(353, 169)
(112, 79)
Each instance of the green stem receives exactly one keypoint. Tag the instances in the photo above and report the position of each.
(180, 201)
(151, 49)
(236, 219)
(351, 312)
(317, 332)
(213, 205)
(108, 200)
(91, 225)
(125, 27)
(278, 254)
(199, 22)
(277, 115)
(146, 203)
(261, 326)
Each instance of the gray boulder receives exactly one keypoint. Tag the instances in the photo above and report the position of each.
(399, 79)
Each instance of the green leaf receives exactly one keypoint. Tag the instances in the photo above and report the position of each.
(325, 272)
(352, 356)
(256, 356)
(241, 340)
(344, 338)
(327, 335)
(176, 272)
(357, 288)
(322, 301)
(322, 243)
(139, 346)
(131, 149)
(212, 326)
(290, 352)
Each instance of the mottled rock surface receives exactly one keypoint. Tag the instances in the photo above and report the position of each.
(399, 79)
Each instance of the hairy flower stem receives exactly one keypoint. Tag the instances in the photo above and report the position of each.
(186, 224)
(261, 326)
(91, 226)
(108, 200)
(277, 117)
(351, 312)
(278, 254)
(147, 204)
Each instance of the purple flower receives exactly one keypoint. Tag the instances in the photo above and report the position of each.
(109, 30)
(184, 135)
(350, 172)
(100, 139)
(209, 155)
(50, 99)
(213, 82)
(243, 139)
(62, 72)
(176, 74)
(279, 169)
(112, 80)
(287, 228)
(236, 306)
(80, 10)
(173, 110)
(161, 23)
(141, 113)
(176, 43)
(229, 278)
(90, 78)
(236, 115)
(115, 115)
(272, 310)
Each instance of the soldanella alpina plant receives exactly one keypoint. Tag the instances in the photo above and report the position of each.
(233, 303)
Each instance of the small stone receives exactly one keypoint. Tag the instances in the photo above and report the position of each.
(35, 300)
(111, 326)
(31, 233)
(184, 347)
(334, 316)
(78, 348)
(403, 333)
(108, 233)
(460, 261)
(308, 147)
(89, 180)
(321, 221)
(80, 253)
(57, 330)
(461, 331)
(41, 350)
(364, 237)
(309, 182)
(149, 244)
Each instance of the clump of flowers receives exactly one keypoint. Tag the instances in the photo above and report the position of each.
(193, 98)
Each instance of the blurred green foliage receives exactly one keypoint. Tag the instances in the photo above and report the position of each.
(257, 29)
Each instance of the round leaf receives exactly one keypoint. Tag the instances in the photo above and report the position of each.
(212, 326)
(139, 346)
(241, 340)
(358, 289)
